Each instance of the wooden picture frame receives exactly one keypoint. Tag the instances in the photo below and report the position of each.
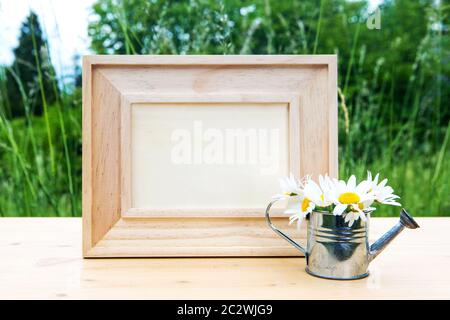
(128, 100)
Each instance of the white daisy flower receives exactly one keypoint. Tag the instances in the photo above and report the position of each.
(381, 192)
(299, 206)
(354, 197)
(305, 207)
(351, 200)
(290, 187)
(358, 211)
(318, 194)
(312, 196)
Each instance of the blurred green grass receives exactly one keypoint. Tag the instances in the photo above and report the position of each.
(393, 91)
(30, 186)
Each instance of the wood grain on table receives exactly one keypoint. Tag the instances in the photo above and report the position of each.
(41, 258)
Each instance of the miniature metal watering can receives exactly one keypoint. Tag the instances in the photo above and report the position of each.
(335, 250)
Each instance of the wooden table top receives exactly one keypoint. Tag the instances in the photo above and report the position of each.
(41, 258)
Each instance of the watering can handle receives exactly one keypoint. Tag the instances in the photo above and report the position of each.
(280, 233)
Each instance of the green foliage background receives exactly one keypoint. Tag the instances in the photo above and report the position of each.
(394, 89)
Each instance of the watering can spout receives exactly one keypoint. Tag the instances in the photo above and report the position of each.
(406, 221)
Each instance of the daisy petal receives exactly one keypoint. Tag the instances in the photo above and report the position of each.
(351, 223)
(339, 209)
(351, 184)
(362, 215)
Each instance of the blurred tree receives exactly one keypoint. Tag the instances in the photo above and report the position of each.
(217, 27)
(389, 77)
(31, 78)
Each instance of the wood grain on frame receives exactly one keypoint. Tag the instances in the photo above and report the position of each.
(111, 227)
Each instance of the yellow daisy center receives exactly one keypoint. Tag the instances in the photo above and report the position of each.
(305, 204)
(349, 198)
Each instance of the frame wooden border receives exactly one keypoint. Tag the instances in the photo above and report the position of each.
(109, 230)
